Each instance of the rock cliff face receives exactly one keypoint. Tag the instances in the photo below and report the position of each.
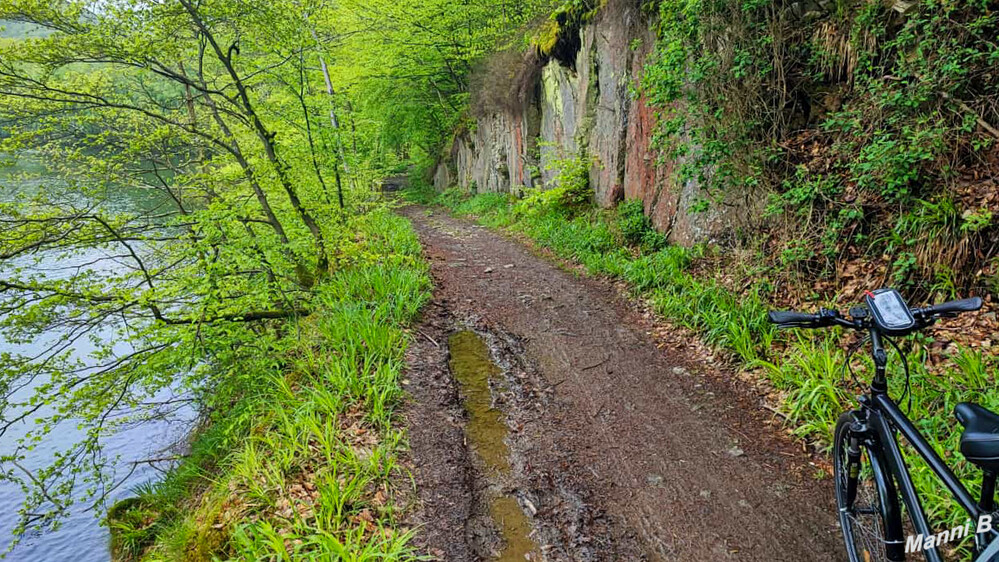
(589, 107)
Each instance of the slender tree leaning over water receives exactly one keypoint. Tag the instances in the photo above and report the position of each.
(206, 103)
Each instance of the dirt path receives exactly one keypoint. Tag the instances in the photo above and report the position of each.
(621, 450)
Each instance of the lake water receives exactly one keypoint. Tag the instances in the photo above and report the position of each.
(81, 538)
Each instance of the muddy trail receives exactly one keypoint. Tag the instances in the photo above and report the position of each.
(546, 423)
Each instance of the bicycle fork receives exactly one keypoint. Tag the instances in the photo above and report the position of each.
(861, 435)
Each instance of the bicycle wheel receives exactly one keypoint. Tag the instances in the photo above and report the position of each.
(862, 516)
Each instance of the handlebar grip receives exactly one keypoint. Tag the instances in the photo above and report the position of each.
(953, 307)
(791, 318)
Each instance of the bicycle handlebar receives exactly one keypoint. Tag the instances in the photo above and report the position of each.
(825, 318)
(950, 308)
(789, 317)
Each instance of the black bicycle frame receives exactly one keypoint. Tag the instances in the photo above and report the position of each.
(886, 421)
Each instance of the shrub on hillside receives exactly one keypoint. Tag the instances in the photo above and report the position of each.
(567, 192)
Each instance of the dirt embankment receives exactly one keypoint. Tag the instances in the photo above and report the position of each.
(620, 448)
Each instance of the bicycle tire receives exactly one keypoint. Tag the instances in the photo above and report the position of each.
(864, 522)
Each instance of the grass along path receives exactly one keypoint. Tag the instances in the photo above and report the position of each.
(805, 367)
(300, 462)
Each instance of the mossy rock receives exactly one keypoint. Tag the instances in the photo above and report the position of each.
(558, 37)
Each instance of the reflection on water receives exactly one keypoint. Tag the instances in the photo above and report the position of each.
(23, 177)
(81, 537)
(473, 367)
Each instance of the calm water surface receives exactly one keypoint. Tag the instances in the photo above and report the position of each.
(81, 538)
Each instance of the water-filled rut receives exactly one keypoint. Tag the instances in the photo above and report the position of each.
(476, 373)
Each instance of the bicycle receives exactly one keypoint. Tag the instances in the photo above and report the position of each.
(869, 468)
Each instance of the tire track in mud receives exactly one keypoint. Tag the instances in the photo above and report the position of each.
(620, 450)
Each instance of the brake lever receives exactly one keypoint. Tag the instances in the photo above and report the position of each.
(927, 320)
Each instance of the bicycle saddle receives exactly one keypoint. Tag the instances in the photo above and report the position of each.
(980, 440)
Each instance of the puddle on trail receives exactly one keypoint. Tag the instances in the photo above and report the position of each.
(473, 367)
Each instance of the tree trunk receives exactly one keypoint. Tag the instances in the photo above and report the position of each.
(266, 138)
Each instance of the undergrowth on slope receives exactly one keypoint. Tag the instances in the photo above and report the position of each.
(805, 367)
(864, 130)
(297, 457)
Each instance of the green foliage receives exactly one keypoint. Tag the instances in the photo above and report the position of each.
(581, 239)
(493, 208)
(895, 105)
(636, 228)
(567, 192)
(795, 253)
(420, 192)
(976, 221)
(193, 196)
(310, 428)
(408, 64)
(798, 193)
(720, 100)
(633, 222)
(134, 523)
(660, 269)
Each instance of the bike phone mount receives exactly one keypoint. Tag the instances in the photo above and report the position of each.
(890, 313)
